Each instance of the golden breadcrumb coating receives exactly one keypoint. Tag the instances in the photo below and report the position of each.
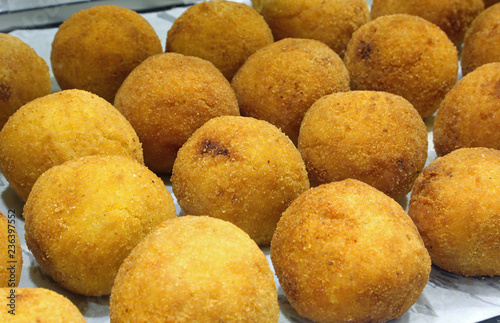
(345, 252)
(279, 82)
(482, 40)
(167, 98)
(452, 16)
(84, 217)
(195, 269)
(404, 55)
(242, 170)
(39, 305)
(469, 115)
(331, 22)
(455, 206)
(96, 48)
(375, 137)
(225, 33)
(24, 76)
(58, 127)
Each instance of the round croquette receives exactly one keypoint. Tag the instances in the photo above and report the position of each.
(11, 257)
(375, 137)
(404, 55)
(331, 22)
(482, 40)
(225, 33)
(454, 204)
(452, 16)
(334, 261)
(469, 115)
(24, 76)
(167, 98)
(195, 269)
(96, 48)
(58, 127)
(83, 218)
(280, 82)
(242, 170)
(39, 305)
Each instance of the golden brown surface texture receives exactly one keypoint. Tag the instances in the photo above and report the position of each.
(242, 170)
(96, 48)
(279, 82)
(225, 33)
(331, 22)
(455, 207)
(24, 76)
(195, 269)
(167, 98)
(58, 127)
(84, 217)
(375, 137)
(345, 252)
(405, 55)
(38, 305)
(469, 116)
(482, 40)
(11, 258)
(452, 16)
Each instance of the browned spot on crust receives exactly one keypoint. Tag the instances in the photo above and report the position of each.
(4, 92)
(364, 50)
(213, 147)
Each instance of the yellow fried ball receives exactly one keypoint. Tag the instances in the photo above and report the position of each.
(279, 82)
(242, 170)
(24, 76)
(404, 55)
(375, 137)
(96, 48)
(195, 269)
(58, 127)
(452, 16)
(454, 204)
(331, 22)
(167, 98)
(469, 115)
(346, 252)
(41, 305)
(225, 33)
(482, 40)
(83, 218)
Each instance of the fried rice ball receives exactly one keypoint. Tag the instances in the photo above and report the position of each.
(469, 116)
(336, 264)
(58, 127)
(454, 204)
(242, 170)
(24, 76)
(405, 55)
(482, 40)
(195, 269)
(11, 257)
(167, 98)
(452, 16)
(41, 305)
(279, 82)
(83, 218)
(375, 137)
(331, 22)
(96, 48)
(225, 33)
